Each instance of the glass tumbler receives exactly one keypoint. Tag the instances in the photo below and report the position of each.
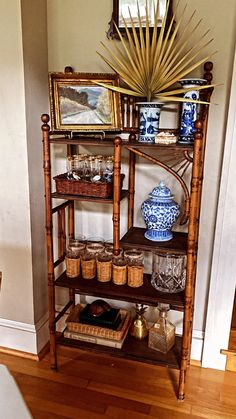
(95, 248)
(76, 247)
(133, 256)
(169, 272)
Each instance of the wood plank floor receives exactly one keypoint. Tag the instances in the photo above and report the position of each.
(93, 386)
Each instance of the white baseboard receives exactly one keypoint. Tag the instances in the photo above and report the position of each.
(32, 338)
(197, 343)
(24, 337)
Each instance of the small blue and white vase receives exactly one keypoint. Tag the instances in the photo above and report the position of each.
(189, 110)
(160, 212)
(149, 117)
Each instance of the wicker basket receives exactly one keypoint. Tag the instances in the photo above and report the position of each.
(119, 274)
(79, 187)
(135, 276)
(72, 267)
(73, 325)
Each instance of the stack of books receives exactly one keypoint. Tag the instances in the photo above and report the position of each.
(108, 329)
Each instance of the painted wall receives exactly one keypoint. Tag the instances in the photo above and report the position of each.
(74, 33)
(16, 298)
(23, 69)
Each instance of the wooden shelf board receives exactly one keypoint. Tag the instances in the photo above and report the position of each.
(83, 141)
(175, 147)
(135, 238)
(133, 349)
(145, 294)
(108, 142)
(124, 193)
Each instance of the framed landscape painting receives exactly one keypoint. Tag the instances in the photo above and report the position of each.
(78, 104)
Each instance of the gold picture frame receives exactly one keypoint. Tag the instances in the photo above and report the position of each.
(78, 104)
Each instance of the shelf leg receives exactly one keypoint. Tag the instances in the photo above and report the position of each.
(116, 195)
(71, 234)
(52, 326)
(196, 192)
(49, 231)
(132, 160)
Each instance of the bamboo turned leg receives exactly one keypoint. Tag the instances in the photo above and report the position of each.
(71, 234)
(191, 258)
(116, 195)
(49, 228)
(132, 160)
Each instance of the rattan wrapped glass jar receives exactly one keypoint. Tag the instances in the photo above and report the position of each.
(135, 275)
(133, 256)
(76, 246)
(88, 266)
(95, 248)
(119, 271)
(109, 251)
(104, 267)
(72, 266)
(72, 259)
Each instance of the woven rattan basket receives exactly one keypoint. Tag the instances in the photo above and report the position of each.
(73, 325)
(135, 276)
(80, 187)
(72, 267)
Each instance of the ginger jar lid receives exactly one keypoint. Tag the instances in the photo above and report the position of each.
(161, 192)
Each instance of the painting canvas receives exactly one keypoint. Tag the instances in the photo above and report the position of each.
(86, 105)
(77, 103)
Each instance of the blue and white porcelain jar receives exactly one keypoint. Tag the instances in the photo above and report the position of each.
(160, 212)
(149, 118)
(189, 110)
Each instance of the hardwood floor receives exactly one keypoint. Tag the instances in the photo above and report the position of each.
(92, 386)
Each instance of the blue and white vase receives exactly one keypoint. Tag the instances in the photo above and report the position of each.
(189, 110)
(160, 212)
(149, 117)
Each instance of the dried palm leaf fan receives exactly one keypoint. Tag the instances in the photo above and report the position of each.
(150, 64)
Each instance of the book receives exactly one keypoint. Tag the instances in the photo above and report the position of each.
(110, 319)
(95, 339)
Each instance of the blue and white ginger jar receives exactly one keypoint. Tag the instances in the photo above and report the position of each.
(160, 212)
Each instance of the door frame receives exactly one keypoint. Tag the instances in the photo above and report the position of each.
(223, 273)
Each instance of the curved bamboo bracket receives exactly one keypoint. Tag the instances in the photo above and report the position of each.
(185, 216)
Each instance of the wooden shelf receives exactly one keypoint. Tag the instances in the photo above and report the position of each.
(133, 349)
(135, 238)
(145, 294)
(125, 143)
(172, 147)
(83, 141)
(123, 194)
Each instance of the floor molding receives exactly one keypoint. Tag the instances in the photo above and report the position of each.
(24, 337)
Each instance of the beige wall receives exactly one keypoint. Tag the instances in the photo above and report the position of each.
(16, 301)
(35, 78)
(23, 92)
(74, 33)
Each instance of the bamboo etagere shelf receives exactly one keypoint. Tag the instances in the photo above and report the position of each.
(175, 159)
